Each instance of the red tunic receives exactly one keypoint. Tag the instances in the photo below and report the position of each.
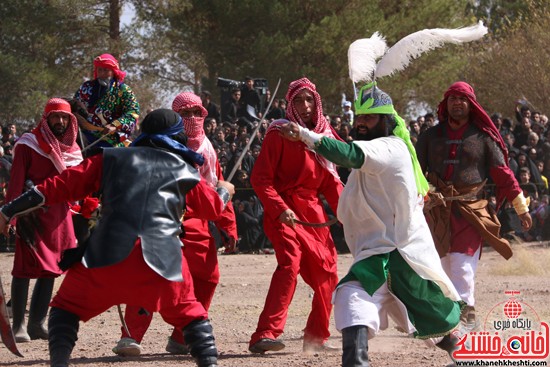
(288, 175)
(88, 292)
(57, 232)
(200, 248)
(200, 255)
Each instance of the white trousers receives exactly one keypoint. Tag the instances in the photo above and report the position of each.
(461, 269)
(354, 306)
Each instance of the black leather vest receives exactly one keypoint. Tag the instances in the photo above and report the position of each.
(143, 195)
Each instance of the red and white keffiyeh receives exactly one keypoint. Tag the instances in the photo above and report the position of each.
(322, 126)
(62, 150)
(196, 138)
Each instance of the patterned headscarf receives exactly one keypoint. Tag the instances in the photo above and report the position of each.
(372, 100)
(62, 150)
(108, 61)
(196, 138)
(481, 119)
(321, 123)
(322, 126)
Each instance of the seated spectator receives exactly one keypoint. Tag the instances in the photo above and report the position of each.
(522, 132)
(219, 136)
(243, 188)
(249, 216)
(275, 112)
(524, 161)
(529, 188)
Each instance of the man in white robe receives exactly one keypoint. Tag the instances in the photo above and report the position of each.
(396, 270)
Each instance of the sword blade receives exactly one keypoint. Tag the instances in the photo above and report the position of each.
(5, 327)
(252, 136)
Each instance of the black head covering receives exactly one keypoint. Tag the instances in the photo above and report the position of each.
(163, 128)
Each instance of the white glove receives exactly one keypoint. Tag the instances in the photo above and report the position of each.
(309, 137)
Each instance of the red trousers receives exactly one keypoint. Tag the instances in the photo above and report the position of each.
(201, 264)
(294, 258)
(89, 292)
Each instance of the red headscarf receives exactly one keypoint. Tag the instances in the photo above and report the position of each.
(321, 123)
(196, 138)
(62, 150)
(480, 117)
(108, 61)
(322, 126)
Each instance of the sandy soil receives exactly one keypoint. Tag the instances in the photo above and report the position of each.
(239, 301)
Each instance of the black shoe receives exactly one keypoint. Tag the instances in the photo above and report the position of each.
(266, 345)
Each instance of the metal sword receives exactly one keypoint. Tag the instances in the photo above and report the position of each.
(241, 157)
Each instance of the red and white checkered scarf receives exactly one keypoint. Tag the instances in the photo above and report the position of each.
(61, 150)
(322, 126)
(196, 138)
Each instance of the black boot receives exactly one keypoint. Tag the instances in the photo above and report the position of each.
(38, 310)
(448, 344)
(200, 340)
(355, 346)
(19, 295)
(62, 336)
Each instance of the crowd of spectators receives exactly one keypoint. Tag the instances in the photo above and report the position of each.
(526, 134)
(8, 138)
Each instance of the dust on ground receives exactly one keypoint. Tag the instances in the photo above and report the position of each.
(239, 300)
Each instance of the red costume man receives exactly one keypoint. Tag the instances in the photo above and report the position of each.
(459, 155)
(43, 153)
(199, 247)
(288, 179)
(134, 255)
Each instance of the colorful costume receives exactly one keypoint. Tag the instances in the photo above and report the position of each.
(457, 162)
(37, 156)
(129, 240)
(115, 103)
(396, 271)
(290, 176)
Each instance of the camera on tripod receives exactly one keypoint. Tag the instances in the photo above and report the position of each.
(229, 84)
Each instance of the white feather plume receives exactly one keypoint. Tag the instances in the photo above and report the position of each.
(362, 56)
(413, 45)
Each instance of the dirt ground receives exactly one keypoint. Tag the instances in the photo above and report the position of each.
(239, 301)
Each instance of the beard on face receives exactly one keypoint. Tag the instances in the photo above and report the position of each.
(58, 129)
(379, 131)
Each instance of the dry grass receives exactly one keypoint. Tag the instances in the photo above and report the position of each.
(527, 260)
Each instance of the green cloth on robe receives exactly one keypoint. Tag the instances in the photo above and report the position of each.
(342, 154)
(431, 313)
